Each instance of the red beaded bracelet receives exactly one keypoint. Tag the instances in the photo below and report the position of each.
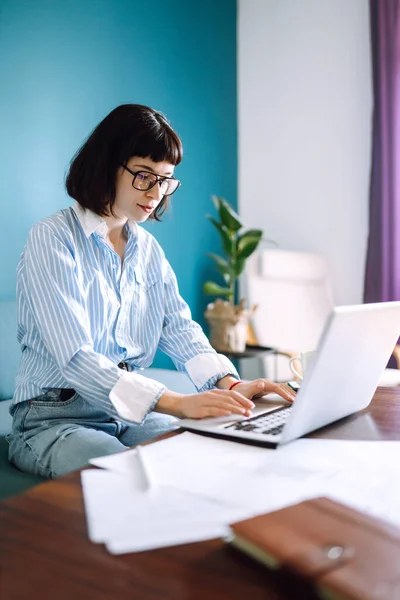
(233, 384)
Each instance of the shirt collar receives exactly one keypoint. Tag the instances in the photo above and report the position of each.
(91, 222)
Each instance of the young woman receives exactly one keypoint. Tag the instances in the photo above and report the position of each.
(97, 297)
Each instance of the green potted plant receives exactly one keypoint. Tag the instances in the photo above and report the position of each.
(229, 322)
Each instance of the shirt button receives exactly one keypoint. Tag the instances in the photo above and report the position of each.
(114, 266)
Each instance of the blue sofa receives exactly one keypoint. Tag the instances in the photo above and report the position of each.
(13, 481)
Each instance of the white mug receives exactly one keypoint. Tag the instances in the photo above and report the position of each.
(305, 360)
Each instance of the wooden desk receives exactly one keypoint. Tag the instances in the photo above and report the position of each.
(45, 552)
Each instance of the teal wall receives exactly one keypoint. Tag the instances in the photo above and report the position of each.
(66, 63)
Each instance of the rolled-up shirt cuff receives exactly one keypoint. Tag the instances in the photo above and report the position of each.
(134, 396)
(206, 369)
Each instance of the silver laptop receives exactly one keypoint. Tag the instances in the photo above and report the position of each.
(353, 350)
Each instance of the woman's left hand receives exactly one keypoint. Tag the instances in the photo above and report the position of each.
(260, 387)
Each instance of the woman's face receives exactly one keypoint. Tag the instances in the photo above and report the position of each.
(136, 204)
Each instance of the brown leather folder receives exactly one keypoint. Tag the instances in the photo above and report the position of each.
(345, 554)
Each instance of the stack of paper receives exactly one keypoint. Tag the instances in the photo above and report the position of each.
(127, 519)
(189, 488)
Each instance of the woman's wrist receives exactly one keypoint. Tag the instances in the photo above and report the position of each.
(225, 382)
(169, 403)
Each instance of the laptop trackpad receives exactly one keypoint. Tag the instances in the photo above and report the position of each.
(267, 403)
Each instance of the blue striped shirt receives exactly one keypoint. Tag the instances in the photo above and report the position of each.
(81, 311)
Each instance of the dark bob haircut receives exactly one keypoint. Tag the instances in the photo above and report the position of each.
(129, 130)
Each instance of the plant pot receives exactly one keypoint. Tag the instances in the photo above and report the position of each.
(228, 325)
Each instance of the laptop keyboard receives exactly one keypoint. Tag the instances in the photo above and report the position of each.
(271, 423)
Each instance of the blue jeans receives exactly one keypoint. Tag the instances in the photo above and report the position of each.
(51, 437)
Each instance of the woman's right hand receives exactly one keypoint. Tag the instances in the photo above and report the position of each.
(213, 403)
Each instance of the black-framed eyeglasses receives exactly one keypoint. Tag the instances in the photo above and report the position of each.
(145, 180)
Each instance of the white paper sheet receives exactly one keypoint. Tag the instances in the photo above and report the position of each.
(168, 534)
(166, 516)
(130, 519)
(201, 484)
(102, 491)
(123, 462)
(355, 472)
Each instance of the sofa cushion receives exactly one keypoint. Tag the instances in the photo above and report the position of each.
(173, 380)
(9, 348)
(5, 418)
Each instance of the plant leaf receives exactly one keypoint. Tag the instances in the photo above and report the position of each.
(217, 202)
(223, 266)
(227, 215)
(224, 234)
(221, 262)
(246, 246)
(251, 233)
(213, 289)
(239, 266)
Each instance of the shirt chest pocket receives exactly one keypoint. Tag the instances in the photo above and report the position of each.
(147, 295)
(144, 282)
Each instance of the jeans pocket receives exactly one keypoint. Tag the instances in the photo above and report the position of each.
(53, 397)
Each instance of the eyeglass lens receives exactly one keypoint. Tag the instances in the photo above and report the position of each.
(145, 181)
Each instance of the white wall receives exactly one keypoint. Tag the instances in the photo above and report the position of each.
(305, 107)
